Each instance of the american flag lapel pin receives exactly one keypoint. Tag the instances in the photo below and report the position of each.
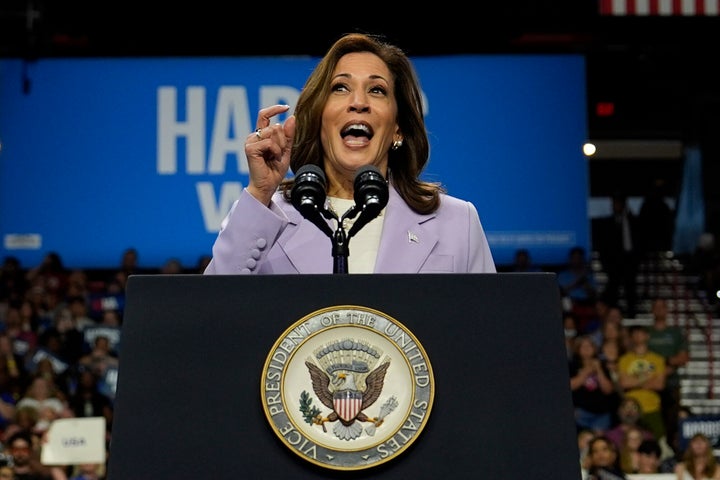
(412, 238)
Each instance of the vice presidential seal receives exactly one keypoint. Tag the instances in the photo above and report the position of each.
(347, 388)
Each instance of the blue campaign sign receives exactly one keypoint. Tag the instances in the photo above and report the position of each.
(101, 154)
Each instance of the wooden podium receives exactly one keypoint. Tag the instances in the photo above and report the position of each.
(188, 401)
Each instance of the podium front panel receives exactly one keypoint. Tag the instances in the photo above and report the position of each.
(193, 348)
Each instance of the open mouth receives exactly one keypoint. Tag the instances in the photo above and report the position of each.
(357, 130)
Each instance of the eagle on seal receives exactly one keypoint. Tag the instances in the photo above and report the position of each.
(347, 401)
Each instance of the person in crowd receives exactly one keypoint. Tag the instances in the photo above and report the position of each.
(6, 472)
(25, 451)
(79, 309)
(618, 249)
(88, 401)
(22, 337)
(650, 461)
(604, 461)
(88, 471)
(609, 354)
(584, 436)
(642, 376)
(62, 338)
(656, 220)
(78, 285)
(571, 333)
(101, 358)
(629, 413)
(129, 262)
(522, 262)
(24, 420)
(612, 328)
(629, 455)
(577, 280)
(14, 365)
(578, 289)
(8, 397)
(361, 106)
(47, 399)
(13, 283)
(172, 266)
(593, 393)
(671, 342)
(50, 274)
(698, 461)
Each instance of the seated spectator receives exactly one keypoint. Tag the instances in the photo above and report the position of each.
(100, 358)
(88, 401)
(650, 458)
(629, 456)
(583, 439)
(629, 412)
(570, 329)
(698, 461)
(79, 309)
(24, 420)
(25, 451)
(88, 471)
(523, 262)
(62, 338)
(6, 470)
(604, 463)
(13, 284)
(44, 397)
(172, 266)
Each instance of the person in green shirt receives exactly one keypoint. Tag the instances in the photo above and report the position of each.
(671, 342)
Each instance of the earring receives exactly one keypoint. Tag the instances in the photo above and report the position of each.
(397, 144)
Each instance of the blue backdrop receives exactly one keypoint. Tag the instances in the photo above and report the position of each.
(104, 154)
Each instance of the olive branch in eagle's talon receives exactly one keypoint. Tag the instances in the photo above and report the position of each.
(311, 413)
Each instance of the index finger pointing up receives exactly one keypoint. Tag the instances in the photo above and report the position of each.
(265, 114)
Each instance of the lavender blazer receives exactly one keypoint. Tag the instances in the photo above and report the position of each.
(254, 239)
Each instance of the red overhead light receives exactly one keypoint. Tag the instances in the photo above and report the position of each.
(605, 109)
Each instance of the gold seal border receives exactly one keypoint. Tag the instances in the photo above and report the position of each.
(282, 356)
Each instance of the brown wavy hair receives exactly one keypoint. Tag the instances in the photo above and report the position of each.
(404, 164)
(690, 460)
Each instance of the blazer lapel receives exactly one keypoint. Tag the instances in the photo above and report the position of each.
(307, 251)
(405, 243)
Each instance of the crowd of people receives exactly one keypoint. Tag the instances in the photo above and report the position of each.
(60, 337)
(60, 341)
(624, 368)
(625, 382)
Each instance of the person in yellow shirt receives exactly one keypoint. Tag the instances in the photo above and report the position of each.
(642, 376)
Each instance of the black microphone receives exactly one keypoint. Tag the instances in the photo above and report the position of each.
(308, 195)
(371, 196)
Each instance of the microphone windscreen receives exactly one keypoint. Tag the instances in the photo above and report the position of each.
(309, 188)
(370, 185)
